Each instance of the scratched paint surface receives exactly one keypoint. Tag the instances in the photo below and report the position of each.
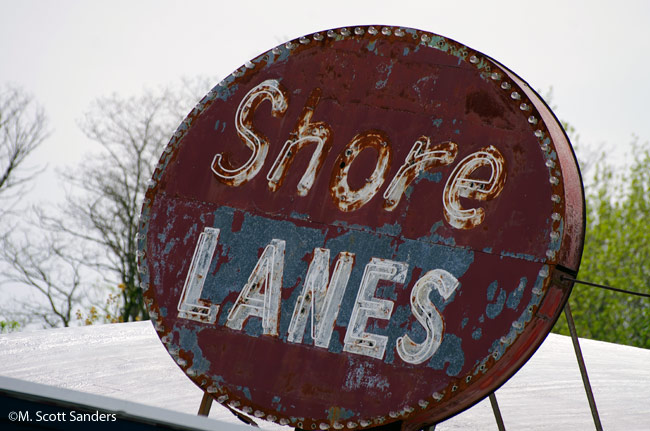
(439, 186)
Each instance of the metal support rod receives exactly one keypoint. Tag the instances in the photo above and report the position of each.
(497, 412)
(206, 403)
(583, 369)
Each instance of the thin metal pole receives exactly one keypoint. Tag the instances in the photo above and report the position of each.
(583, 368)
(602, 286)
(206, 403)
(497, 412)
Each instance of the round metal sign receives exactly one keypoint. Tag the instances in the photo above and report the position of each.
(361, 226)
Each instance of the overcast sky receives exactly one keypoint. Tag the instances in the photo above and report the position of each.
(595, 55)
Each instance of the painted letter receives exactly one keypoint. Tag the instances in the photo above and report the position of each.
(258, 143)
(460, 184)
(190, 305)
(319, 299)
(266, 276)
(366, 306)
(421, 157)
(345, 198)
(428, 316)
(305, 133)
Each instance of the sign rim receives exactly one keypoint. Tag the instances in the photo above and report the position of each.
(561, 260)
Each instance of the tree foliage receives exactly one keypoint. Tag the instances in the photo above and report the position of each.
(88, 242)
(23, 127)
(8, 326)
(104, 212)
(616, 253)
(50, 268)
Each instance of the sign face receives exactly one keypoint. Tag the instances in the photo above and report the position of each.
(362, 226)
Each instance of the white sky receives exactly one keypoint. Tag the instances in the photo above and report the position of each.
(594, 54)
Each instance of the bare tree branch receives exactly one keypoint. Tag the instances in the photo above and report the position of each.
(92, 234)
(46, 266)
(23, 127)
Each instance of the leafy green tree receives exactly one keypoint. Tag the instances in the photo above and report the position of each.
(8, 326)
(616, 253)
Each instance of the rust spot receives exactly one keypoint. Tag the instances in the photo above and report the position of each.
(343, 196)
(221, 166)
(304, 134)
(422, 156)
(482, 104)
(461, 183)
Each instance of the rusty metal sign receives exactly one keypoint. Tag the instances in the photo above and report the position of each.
(361, 226)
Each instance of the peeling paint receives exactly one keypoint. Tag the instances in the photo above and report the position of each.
(363, 375)
(339, 413)
(189, 342)
(451, 354)
(515, 296)
(494, 309)
(522, 256)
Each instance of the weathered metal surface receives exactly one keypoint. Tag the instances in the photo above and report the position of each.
(361, 226)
